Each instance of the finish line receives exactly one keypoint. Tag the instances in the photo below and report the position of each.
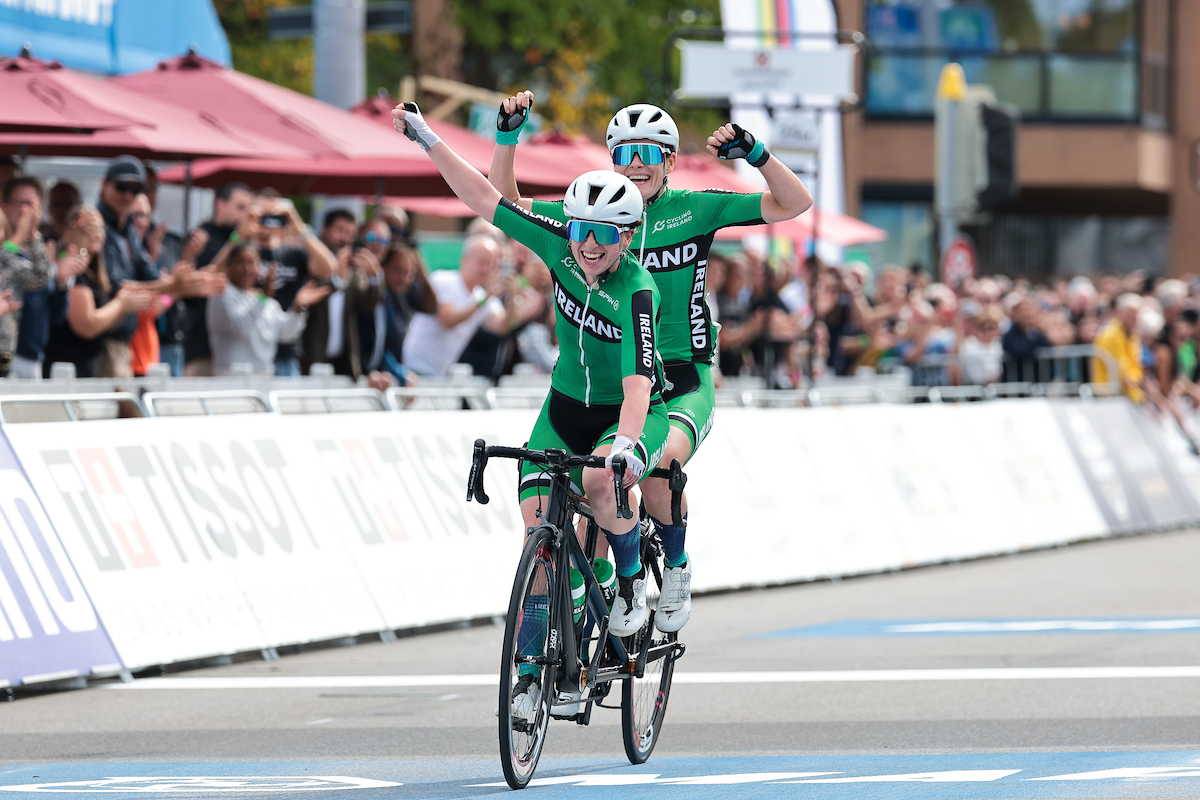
(681, 678)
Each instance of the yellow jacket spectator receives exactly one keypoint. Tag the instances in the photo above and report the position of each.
(1120, 338)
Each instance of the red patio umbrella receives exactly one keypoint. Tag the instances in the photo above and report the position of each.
(345, 153)
(40, 96)
(161, 130)
(319, 129)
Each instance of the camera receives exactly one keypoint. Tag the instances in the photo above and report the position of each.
(274, 221)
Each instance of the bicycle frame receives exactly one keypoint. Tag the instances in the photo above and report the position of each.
(558, 519)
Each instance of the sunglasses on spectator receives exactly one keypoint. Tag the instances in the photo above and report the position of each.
(650, 154)
(605, 233)
(129, 187)
(375, 238)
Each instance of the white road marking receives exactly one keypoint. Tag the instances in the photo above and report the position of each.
(1127, 772)
(805, 676)
(950, 776)
(1045, 625)
(319, 721)
(205, 784)
(652, 779)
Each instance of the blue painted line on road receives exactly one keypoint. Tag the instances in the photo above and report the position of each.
(984, 776)
(853, 628)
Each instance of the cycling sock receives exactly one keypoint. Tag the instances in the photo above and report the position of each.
(531, 638)
(672, 538)
(626, 550)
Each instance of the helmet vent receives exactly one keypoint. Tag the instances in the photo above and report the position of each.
(594, 194)
(633, 118)
(657, 116)
(617, 195)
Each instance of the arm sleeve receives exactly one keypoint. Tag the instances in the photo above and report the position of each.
(290, 324)
(638, 352)
(33, 274)
(544, 236)
(550, 208)
(361, 294)
(721, 209)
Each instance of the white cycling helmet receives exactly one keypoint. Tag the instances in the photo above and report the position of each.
(642, 121)
(603, 196)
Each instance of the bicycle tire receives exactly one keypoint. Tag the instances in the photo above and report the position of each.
(644, 700)
(521, 741)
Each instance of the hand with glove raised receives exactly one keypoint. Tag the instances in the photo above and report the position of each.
(513, 114)
(407, 119)
(732, 141)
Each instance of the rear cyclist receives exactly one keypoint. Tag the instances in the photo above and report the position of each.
(605, 396)
(673, 244)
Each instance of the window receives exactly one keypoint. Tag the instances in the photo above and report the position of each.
(1054, 59)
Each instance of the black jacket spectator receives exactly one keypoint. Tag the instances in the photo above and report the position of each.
(126, 260)
(1020, 343)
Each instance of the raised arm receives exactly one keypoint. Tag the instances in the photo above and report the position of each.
(786, 196)
(509, 120)
(464, 180)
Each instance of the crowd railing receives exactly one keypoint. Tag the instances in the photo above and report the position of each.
(1050, 372)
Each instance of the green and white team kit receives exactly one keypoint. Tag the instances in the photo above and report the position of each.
(605, 333)
(678, 233)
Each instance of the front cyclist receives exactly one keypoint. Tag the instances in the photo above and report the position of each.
(605, 395)
(673, 244)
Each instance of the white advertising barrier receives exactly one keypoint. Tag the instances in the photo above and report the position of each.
(213, 535)
(786, 495)
(209, 535)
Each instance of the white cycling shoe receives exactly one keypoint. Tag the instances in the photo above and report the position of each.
(675, 605)
(527, 695)
(629, 612)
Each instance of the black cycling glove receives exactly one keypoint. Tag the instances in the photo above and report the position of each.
(508, 126)
(744, 145)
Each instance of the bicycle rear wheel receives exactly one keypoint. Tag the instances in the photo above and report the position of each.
(526, 662)
(644, 699)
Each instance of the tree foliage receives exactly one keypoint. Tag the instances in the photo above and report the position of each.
(585, 58)
(289, 62)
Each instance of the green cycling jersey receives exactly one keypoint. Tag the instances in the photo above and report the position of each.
(605, 332)
(673, 245)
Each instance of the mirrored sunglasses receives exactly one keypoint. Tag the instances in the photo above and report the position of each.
(650, 154)
(605, 233)
(375, 238)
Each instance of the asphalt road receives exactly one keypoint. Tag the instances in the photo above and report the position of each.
(717, 715)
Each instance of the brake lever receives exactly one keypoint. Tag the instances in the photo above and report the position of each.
(479, 461)
(623, 509)
(676, 482)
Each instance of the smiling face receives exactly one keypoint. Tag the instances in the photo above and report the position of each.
(596, 259)
(648, 179)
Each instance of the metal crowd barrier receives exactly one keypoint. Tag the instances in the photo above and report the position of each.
(318, 401)
(227, 401)
(1053, 372)
(73, 407)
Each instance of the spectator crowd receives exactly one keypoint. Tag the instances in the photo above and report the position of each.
(255, 289)
(792, 321)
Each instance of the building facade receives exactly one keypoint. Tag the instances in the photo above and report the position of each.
(1106, 162)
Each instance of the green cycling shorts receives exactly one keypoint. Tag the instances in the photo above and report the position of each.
(570, 425)
(691, 401)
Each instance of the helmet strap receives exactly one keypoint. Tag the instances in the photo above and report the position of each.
(660, 191)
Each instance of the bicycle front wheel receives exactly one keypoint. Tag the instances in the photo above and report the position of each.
(526, 674)
(644, 699)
